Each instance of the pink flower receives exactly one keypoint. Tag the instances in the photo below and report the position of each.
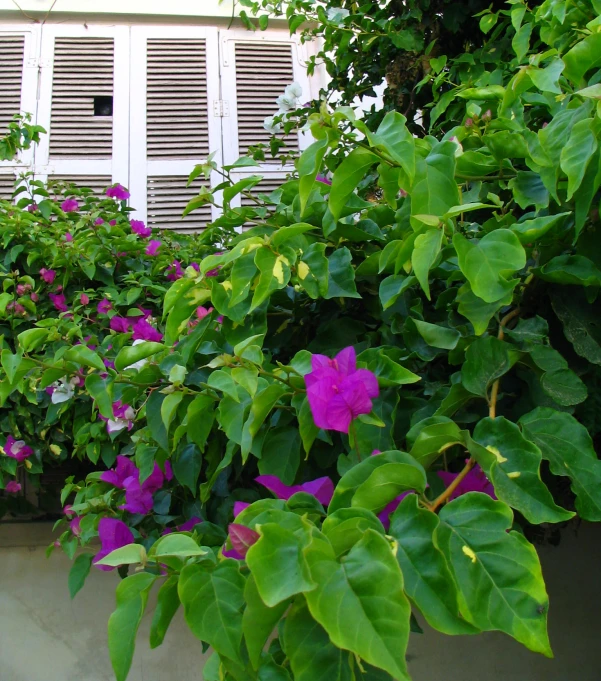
(22, 289)
(118, 192)
(124, 469)
(47, 275)
(241, 538)
(322, 488)
(474, 481)
(113, 535)
(70, 205)
(104, 306)
(67, 510)
(138, 497)
(74, 525)
(16, 308)
(323, 179)
(174, 271)
(84, 299)
(68, 237)
(153, 247)
(188, 526)
(34, 296)
(13, 487)
(389, 509)
(139, 228)
(119, 324)
(99, 221)
(112, 223)
(32, 207)
(338, 392)
(202, 312)
(59, 301)
(239, 506)
(17, 449)
(145, 331)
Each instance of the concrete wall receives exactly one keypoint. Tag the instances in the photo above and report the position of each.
(46, 637)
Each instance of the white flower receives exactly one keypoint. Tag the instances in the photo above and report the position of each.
(63, 390)
(270, 125)
(141, 362)
(293, 90)
(337, 15)
(458, 145)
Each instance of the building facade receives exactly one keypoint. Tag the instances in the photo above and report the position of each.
(139, 92)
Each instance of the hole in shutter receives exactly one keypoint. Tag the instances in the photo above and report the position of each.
(103, 106)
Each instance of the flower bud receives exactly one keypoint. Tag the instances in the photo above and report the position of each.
(469, 123)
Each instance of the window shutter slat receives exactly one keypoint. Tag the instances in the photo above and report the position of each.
(97, 183)
(176, 99)
(83, 69)
(262, 73)
(167, 198)
(12, 51)
(7, 186)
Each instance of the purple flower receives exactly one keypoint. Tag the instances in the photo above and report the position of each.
(70, 205)
(153, 247)
(47, 275)
(59, 301)
(323, 179)
(104, 306)
(239, 506)
(119, 324)
(113, 535)
(389, 509)
(202, 312)
(32, 207)
(34, 296)
(124, 469)
(22, 289)
(139, 228)
(84, 299)
(474, 481)
(138, 497)
(322, 488)
(145, 331)
(74, 525)
(188, 526)
(338, 392)
(118, 192)
(68, 237)
(241, 538)
(99, 221)
(112, 223)
(174, 271)
(13, 487)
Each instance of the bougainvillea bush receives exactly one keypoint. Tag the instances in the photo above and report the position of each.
(366, 401)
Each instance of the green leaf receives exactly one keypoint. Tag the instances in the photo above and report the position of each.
(521, 41)
(568, 447)
(476, 310)
(428, 580)
(78, 572)
(360, 602)
(498, 574)
(393, 138)
(577, 153)
(131, 354)
(306, 425)
(489, 261)
(101, 390)
(241, 277)
(346, 526)
(132, 595)
(389, 373)
(431, 437)
(32, 338)
(564, 387)
(313, 270)
(166, 607)
(200, 416)
(83, 355)
(11, 363)
(284, 233)
(533, 230)
(258, 621)
(178, 545)
(347, 177)
(529, 190)
(187, 463)
(392, 287)
(308, 165)
(513, 464)
(278, 565)
(580, 323)
(169, 408)
(386, 483)
(438, 336)
(223, 381)
(213, 599)
(435, 189)
(262, 405)
(425, 252)
(130, 554)
(341, 279)
(310, 651)
(486, 360)
(353, 479)
(570, 269)
(584, 56)
(280, 454)
(155, 421)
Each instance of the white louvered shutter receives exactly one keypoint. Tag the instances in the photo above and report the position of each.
(256, 68)
(18, 84)
(84, 71)
(175, 80)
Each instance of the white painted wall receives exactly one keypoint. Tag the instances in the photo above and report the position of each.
(46, 637)
(98, 8)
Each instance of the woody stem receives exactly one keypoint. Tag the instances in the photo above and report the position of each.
(453, 486)
(494, 393)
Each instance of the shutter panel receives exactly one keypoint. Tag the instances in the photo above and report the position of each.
(175, 78)
(262, 73)
(97, 183)
(7, 186)
(85, 70)
(12, 51)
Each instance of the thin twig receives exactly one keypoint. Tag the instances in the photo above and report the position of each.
(453, 486)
